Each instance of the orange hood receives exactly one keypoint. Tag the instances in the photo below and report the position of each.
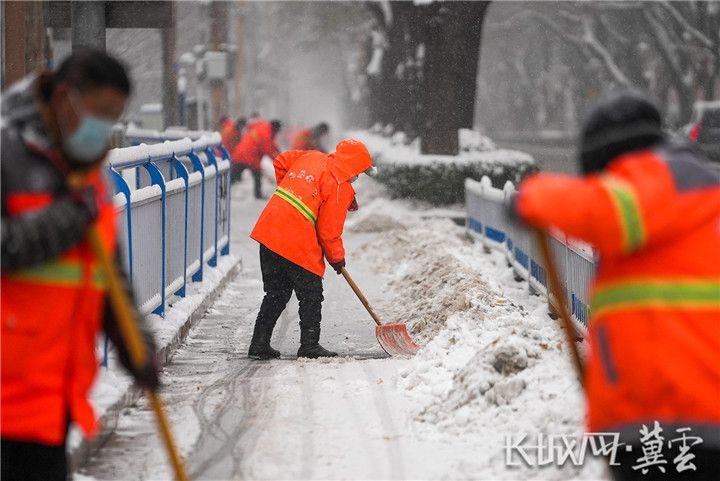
(351, 158)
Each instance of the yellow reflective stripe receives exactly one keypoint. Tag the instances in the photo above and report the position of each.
(58, 272)
(62, 273)
(297, 203)
(628, 207)
(645, 293)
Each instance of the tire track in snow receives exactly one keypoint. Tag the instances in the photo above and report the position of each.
(394, 451)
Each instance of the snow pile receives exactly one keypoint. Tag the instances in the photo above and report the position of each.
(433, 282)
(472, 140)
(493, 363)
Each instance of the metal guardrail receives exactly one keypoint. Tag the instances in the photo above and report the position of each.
(487, 222)
(175, 219)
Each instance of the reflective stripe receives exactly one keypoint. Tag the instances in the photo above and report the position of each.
(628, 207)
(58, 272)
(61, 273)
(644, 293)
(297, 203)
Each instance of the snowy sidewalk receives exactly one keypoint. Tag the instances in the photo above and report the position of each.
(495, 365)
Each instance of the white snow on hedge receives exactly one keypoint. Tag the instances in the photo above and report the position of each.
(474, 148)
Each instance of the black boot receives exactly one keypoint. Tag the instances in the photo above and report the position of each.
(260, 348)
(310, 345)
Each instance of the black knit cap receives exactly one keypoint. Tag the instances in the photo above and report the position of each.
(621, 123)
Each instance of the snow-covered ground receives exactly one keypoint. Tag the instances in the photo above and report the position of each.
(493, 364)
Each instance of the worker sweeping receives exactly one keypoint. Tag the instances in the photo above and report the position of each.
(56, 126)
(652, 210)
(257, 141)
(231, 132)
(311, 138)
(299, 229)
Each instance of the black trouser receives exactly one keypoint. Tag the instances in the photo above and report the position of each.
(706, 461)
(29, 461)
(280, 278)
(236, 176)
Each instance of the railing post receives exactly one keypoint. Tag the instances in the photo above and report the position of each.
(199, 167)
(212, 161)
(122, 187)
(182, 172)
(157, 179)
(226, 250)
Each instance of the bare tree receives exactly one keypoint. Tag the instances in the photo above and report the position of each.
(668, 49)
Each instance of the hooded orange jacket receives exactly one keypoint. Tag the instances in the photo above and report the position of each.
(256, 142)
(654, 216)
(303, 221)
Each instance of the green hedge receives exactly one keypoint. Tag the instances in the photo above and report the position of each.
(442, 182)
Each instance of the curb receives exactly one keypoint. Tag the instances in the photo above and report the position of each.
(109, 420)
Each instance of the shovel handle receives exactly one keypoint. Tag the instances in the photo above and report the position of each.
(136, 347)
(360, 295)
(556, 290)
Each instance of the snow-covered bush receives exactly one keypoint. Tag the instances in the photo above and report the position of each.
(440, 179)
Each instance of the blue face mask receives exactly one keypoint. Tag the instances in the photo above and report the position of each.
(90, 139)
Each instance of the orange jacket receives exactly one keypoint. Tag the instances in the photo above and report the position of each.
(304, 220)
(51, 317)
(654, 216)
(256, 142)
(303, 140)
(230, 134)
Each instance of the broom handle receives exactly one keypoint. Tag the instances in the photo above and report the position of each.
(556, 290)
(360, 295)
(136, 347)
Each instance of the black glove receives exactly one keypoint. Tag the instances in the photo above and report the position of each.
(354, 205)
(338, 266)
(86, 199)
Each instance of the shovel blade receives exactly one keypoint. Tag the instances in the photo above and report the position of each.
(395, 340)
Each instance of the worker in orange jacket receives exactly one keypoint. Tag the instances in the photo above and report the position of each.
(652, 211)
(257, 141)
(231, 132)
(310, 139)
(56, 126)
(300, 227)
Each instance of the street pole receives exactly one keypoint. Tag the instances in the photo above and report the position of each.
(219, 32)
(169, 79)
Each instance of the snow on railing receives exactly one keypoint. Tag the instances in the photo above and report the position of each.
(173, 199)
(488, 222)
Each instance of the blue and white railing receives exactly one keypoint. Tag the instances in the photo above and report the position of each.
(173, 200)
(488, 222)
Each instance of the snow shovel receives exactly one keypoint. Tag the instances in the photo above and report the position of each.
(393, 338)
(138, 354)
(555, 289)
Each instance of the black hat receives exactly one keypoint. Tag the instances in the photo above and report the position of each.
(621, 123)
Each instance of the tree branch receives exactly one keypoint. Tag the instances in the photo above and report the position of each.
(603, 54)
(683, 22)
